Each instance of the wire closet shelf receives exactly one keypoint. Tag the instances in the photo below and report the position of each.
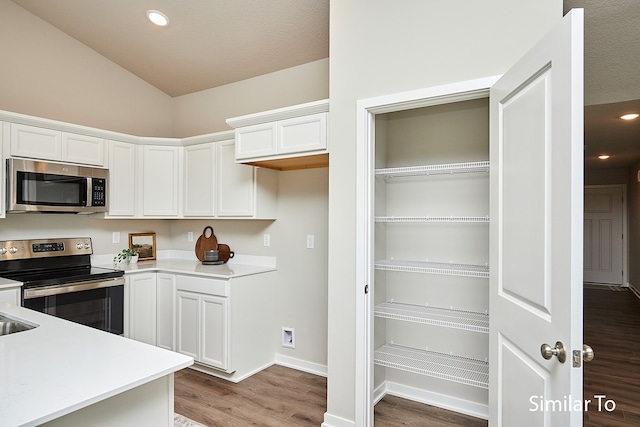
(445, 366)
(427, 170)
(431, 315)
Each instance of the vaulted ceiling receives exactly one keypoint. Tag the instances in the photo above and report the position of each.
(210, 43)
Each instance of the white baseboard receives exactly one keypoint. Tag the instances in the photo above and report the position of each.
(435, 399)
(224, 375)
(334, 421)
(301, 365)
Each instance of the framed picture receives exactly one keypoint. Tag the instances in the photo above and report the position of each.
(144, 244)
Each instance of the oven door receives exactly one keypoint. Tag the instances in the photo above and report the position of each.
(98, 304)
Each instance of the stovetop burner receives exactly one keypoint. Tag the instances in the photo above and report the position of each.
(50, 262)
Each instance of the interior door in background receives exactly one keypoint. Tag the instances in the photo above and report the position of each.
(603, 235)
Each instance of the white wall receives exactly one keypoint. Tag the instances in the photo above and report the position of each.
(46, 73)
(206, 111)
(380, 47)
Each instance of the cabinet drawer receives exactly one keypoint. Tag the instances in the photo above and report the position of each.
(203, 285)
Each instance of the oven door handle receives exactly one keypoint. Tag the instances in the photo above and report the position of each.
(74, 287)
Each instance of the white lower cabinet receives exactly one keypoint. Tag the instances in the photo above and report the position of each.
(202, 330)
(165, 305)
(142, 307)
(202, 327)
(151, 308)
(11, 295)
(227, 326)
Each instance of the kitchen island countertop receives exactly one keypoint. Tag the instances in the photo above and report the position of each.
(60, 367)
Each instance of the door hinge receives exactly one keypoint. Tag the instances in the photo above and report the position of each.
(366, 289)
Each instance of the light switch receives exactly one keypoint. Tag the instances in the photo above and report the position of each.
(310, 241)
(115, 237)
(267, 239)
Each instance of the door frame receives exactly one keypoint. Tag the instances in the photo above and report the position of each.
(625, 230)
(366, 110)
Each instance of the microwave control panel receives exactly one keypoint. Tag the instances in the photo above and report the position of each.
(99, 192)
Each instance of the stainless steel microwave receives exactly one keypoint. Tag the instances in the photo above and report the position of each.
(34, 186)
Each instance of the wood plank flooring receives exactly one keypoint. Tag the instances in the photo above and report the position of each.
(612, 329)
(280, 396)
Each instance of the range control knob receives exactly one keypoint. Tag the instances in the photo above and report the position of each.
(3, 250)
(13, 250)
(79, 246)
(87, 246)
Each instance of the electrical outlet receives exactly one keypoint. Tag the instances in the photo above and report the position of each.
(267, 239)
(190, 236)
(115, 237)
(310, 241)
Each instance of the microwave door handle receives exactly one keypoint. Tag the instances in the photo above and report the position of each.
(89, 200)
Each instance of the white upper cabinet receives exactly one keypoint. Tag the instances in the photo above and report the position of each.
(256, 141)
(302, 134)
(161, 178)
(287, 138)
(83, 149)
(47, 144)
(216, 186)
(200, 180)
(122, 179)
(194, 177)
(236, 184)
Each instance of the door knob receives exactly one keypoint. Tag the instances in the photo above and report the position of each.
(587, 353)
(548, 352)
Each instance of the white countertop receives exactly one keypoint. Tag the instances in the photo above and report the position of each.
(60, 367)
(237, 267)
(7, 283)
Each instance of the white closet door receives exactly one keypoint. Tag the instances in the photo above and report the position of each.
(536, 233)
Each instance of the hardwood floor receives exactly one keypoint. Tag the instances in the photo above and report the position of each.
(612, 329)
(280, 396)
(276, 396)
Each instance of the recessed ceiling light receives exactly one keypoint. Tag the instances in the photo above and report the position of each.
(630, 116)
(158, 18)
(603, 157)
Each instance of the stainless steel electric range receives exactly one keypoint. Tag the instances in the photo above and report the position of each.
(58, 279)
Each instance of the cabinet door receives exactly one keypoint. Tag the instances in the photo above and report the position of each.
(142, 307)
(300, 134)
(35, 142)
(166, 299)
(236, 185)
(255, 141)
(83, 149)
(187, 323)
(122, 179)
(10, 295)
(161, 180)
(199, 180)
(214, 333)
